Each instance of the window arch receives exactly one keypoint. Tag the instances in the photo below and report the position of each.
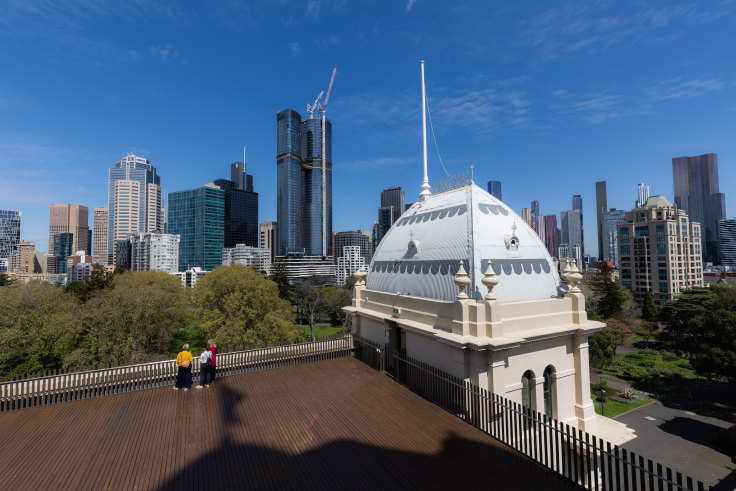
(550, 392)
(528, 390)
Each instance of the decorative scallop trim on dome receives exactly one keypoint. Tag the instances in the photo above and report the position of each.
(517, 266)
(439, 266)
(492, 209)
(432, 215)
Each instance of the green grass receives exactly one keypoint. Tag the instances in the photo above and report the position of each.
(655, 370)
(614, 408)
(322, 331)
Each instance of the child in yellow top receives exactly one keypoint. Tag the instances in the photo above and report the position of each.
(184, 362)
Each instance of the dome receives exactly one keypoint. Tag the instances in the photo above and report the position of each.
(420, 254)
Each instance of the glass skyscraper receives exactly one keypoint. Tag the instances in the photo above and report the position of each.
(727, 238)
(299, 184)
(577, 204)
(63, 248)
(393, 197)
(241, 207)
(697, 192)
(131, 168)
(601, 205)
(535, 212)
(198, 217)
(609, 234)
(494, 189)
(9, 232)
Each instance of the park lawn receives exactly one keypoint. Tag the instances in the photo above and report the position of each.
(614, 408)
(655, 370)
(322, 331)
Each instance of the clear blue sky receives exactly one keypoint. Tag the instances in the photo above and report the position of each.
(546, 99)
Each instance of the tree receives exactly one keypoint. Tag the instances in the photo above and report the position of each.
(310, 299)
(6, 280)
(134, 318)
(280, 276)
(39, 326)
(702, 321)
(619, 332)
(238, 307)
(605, 297)
(600, 349)
(341, 297)
(649, 311)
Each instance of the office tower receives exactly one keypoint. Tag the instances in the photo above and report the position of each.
(727, 239)
(609, 233)
(601, 206)
(164, 218)
(126, 204)
(99, 235)
(526, 215)
(572, 232)
(384, 222)
(660, 251)
(9, 233)
(547, 230)
(69, 218)
(23, 259)
(697, 193)
(357, 238)
(198, 217)
(494, 189)
(302, 227)
(577, 204)
(153, 207)
(643, 194)
(393, 197)
(350, 261)
(123, 254)
(154, 251)
(140, 170)
(251, 257)
(535, 211)
(62, 245)
(241, 207)
(269, 231)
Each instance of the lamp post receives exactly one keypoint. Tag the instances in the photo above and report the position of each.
(603, 400)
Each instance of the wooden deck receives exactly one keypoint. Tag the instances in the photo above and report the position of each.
(326, 425)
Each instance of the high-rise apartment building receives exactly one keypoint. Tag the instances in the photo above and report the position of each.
(9, 233)
(601, 206)
(147, 219)
(24, 259)
(571, 226)
(697, 192)
(99, 235)
(269, 231)
(535, 211)
(526, 215)
(69, 218)
(127, 203)
(252, 257)
(154, 251)
(164, 218)
(304, 217)
(660, 251)
(241, 207)
(642, 193)
(63, 247)
(494, 189)
(393, 197)
(357, 238)
(609, 233)
(198, 217)
(727, 239)
(350, 261)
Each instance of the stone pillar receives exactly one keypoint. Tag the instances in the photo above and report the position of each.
(584, 409)
(579, 316)
(460, 318)
(494, 324)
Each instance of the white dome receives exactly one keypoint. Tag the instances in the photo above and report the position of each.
(420, 254)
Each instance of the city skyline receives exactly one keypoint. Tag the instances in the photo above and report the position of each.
(499, 80)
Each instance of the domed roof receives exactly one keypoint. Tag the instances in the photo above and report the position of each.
(420, 254)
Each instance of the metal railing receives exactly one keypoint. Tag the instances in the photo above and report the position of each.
(591, 462)
(370, 353)
(57, 386)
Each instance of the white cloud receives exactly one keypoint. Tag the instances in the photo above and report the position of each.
(410, 5)
(295, 48)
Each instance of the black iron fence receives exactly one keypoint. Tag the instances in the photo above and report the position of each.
(44, 388)
(370, 353)
(583, 458)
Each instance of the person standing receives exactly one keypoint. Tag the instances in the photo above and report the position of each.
(205, 365)
(184, 375)
(213, 350)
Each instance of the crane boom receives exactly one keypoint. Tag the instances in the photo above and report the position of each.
(310, 109)
(329, 88)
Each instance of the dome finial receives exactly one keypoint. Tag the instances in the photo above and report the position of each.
(425, 183)
(462, 281)
(489, 281)
(359, 276)
(574, 277)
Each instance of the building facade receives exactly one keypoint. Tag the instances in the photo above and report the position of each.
(63, 248)
(697, 193)
(660, 251)
(526, 215)
(546, 228)
(140, 170)
(9, 233)
(268, 238)
(642, 193)
(494, 189)
(154, 251)
(99, 235)
(382, 225)
(69, 218)
(393, 197)
(727, 238)
(348, 263)
(252, 257)
(535, 211)
(354, 238)
(241, 207)
(571, 228)
(601, 206)
(197, 216)
(609, 233)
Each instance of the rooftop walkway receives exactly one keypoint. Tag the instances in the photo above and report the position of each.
(326, 425)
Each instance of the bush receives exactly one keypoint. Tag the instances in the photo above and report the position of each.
(602, 385)
(628, 394)
(669, 357)
(635, 373)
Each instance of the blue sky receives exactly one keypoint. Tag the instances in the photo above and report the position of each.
(546, 97)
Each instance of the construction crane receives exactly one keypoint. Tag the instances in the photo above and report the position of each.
(310, 109)
(323, 111)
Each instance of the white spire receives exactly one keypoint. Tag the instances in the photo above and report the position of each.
(425, 183)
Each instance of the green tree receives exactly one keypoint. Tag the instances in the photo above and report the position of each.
(649, 311)
(238, 307)
(279, 275)
(6, 280)
(605, 297)
(310, 299)
(133, 319)
(340, 297)
(39, 325)
(618, 331)
(702, 321)
(600, 349)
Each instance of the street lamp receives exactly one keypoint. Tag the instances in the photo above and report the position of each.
(603, 399)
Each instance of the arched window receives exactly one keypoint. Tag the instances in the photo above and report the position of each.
(528, 398)
(549, 392)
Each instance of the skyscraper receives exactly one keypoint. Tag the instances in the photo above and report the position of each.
(358, 238)
(198, 217)
(63, 247)
(393, 197)
(643, 194)
(305, 222)
(526, 215)
(241, 207)
(99, 235)
(535, 212)
(269, 233)
(727, 239)
(697, 192)
(154, 251)
(609, 233)
(571, 231)
(577, 204)
(601, 205)
(384, 222)
(9, 233)
(140, 170)
(547, 230)
(494, 189)
(126, 221)
(69, 218)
